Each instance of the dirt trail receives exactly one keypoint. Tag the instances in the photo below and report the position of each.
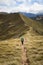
(24, 56)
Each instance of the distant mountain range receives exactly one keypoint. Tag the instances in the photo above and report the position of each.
(38, 16)
(32, 15)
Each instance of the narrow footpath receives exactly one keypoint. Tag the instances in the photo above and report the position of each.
(24, 56)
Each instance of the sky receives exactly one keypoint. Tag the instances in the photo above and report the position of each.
(28, 6)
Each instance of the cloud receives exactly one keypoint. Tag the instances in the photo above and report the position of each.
(33, 6)
(40, 1)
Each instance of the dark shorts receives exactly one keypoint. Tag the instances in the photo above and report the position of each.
(22, 42)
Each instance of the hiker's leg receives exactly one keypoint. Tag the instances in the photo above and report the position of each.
(22, 42)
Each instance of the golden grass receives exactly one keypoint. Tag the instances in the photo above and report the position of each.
(10, 52)
(34, 46)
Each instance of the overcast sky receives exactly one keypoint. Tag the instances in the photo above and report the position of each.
(33, 6)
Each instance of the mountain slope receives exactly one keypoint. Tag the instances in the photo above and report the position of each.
(11, 25)
(15, 24)
(36, 25)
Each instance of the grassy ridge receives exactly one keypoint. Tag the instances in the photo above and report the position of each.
(15, 24)
(36, 25)
(11, 25)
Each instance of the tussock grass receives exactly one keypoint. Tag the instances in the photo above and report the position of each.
(35, 51)
(10, 53)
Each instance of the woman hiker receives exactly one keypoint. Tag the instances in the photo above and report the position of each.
(22, 41)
